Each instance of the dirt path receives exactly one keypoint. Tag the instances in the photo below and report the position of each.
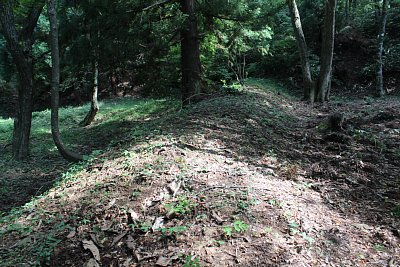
(246, 180)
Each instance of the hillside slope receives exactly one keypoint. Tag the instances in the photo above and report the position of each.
(253, 179)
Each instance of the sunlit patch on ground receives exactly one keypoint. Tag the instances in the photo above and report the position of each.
(234, 181)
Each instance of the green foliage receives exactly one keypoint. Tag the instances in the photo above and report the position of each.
(135, 194)
(268, 230)
(191, 262)
(379, 247)
(283, 54)
(140, 46)
(240, 226)
(295, 229)
(233, 88)
(237, 227)
(392, 58)
(228, 230)
(271, 85)
(6, 127)
(235, 39)
(175, 230)
(45, 249)
(112, 113)
(181, 206)
(144, 226)
(369, 137)
(277, 203)
(396, 211)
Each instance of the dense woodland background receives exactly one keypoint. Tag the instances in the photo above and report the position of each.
(200, 133)
(137, 47)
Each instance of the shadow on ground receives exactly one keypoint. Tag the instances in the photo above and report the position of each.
(260, 158)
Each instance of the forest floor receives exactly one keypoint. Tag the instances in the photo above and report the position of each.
(250, 179)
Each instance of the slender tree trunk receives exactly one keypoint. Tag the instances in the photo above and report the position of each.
(94, 104)
(303, 50)
(20, 47)
(380, 88)
(190, 55)
(55, 85)
(325, 75)
(377, 11)
(347, 12)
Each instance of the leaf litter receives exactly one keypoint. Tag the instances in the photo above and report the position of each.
(256, 166)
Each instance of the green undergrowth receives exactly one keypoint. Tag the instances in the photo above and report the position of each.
(271, 86)
(113, 115)
(116, 121)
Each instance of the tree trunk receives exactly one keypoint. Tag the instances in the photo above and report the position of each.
(380, 88)
(23, 118)
(55, 85)
(325, 75)
(94, 104)
(347, 12)
(302, 46)
(377, 12)
(190, 55)
(20, 47)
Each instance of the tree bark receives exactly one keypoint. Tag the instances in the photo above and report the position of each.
(325, 75)
(20, 47)
(303, 50)
(190, 55)
(55, 86)
(347, 12)
(94, 104)
(377, 12)
(380, 88)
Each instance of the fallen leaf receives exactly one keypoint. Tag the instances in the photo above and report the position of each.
(174, 187)
(137, 256)
(96, 241)
(111, 204)
(30, 216)
(210, 250)
(163, 261)
(71, 234)
(248, 239)
(118, 238)
(216, 217)
(160, 197)
(130, 242)
(175, 257)
(133, 215)
(106, 226)
(88, 244)
(92, 263)
(158, 223)
(128, 263)
(150, 203)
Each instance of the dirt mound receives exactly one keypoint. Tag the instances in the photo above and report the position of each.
(233, 181)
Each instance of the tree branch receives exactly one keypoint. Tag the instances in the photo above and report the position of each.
(31, 20)
(157, 4)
